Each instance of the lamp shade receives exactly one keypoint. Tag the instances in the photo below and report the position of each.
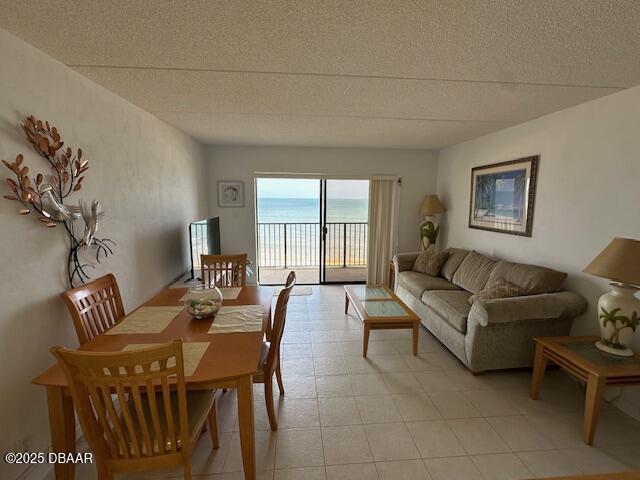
(619, 261)
(431, 205)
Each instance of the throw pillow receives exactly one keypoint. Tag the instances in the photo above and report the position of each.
(499, 289)
(435, 263)
(421, 261)
(430, 261)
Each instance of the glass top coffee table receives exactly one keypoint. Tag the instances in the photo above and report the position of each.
(379, 308)
(580, 357)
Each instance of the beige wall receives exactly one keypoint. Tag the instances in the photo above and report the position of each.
(418, 169)
(588, 192)
(150, 180)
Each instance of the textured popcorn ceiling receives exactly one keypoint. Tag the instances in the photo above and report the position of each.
(393, 73)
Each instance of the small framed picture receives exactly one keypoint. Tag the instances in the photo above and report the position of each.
(503, 196)
(230, 193)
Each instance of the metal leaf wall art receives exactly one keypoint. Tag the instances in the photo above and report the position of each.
(46, 195)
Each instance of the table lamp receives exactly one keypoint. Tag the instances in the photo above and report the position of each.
(429, 228)
(618, 310)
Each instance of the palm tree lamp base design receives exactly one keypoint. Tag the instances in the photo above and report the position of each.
(618, 309)
(619, 319)
(429, 228)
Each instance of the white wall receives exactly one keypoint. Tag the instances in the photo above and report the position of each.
(418, 169)
(153, 180)
(588, 192)
(150, 180)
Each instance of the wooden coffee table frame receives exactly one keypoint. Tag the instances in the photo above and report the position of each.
(409, 321)
(597, 377)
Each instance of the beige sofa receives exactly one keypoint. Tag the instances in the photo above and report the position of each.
(492, 334)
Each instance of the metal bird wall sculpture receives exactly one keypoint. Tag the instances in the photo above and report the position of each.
(53, 208)
(91, 216)
(47, 199)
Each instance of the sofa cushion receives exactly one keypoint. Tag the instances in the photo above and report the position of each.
(452, 305)
(532, 279)
(474, 272)
(454, 259)
(416, 283)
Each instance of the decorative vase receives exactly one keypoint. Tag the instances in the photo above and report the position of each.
(429, 229)
(619, 317)
(203, 301)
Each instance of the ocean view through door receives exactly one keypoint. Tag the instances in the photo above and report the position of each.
(316, 227)
(345, 219)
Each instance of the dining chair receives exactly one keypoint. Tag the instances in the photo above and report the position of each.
(270, 356)
(149, 425)
(95, 307)
(224, 270)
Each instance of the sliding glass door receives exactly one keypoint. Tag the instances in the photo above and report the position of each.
(288, 230)
(345, 230)
(316, 227)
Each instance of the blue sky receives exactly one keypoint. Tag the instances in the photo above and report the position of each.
(307, 188)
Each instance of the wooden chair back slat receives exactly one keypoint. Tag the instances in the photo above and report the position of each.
(133, 442)
(102, 411)
(169, 414)
(153, 406)
(113, 425)
(94, 307)
(93, 316)
(278, 322)
(224, 270)
(141, 429)
(182, 395)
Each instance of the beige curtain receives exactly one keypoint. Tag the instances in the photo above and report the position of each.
(381, 227)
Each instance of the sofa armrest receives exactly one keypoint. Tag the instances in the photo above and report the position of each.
(404, 261)
(544, 306)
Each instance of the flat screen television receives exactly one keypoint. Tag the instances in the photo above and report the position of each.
(204, 236)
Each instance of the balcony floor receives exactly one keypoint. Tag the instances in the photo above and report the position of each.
(306, 275)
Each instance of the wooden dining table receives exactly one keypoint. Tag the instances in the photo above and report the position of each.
(229, 362)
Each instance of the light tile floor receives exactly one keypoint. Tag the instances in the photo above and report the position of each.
(396, 416)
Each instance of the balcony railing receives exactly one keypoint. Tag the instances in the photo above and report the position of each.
(289, 245)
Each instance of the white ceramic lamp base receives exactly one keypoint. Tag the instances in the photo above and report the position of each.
(618, 318)
(429, 230)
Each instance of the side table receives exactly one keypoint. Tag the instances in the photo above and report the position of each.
(579, 357)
